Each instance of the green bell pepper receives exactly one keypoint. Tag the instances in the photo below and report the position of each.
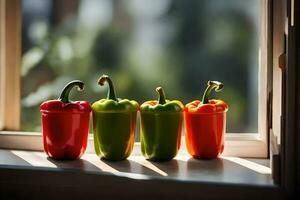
(114, 122)
(161, 124)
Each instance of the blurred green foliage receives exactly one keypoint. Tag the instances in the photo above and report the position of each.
(178, 45)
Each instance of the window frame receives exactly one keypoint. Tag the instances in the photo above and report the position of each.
(10, 60)
(236, 144)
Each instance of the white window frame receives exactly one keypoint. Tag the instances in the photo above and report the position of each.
(236, 144)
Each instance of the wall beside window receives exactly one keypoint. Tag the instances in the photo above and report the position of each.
(142, 44)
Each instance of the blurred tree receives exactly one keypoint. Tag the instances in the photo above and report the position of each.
(175, 44)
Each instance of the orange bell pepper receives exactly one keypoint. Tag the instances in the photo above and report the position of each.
(205, 124)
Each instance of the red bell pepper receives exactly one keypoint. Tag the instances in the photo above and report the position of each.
(205, 124)
(65, 125)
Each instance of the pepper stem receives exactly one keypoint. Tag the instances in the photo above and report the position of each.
(111, 91)
(64, 95)
(162, 96)
(211, 85)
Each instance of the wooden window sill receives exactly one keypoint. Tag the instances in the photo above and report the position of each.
(136, 177)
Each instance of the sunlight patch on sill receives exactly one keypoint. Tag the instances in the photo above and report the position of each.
(36, 159)
(141, 160)
(95, 160)
(250, 165)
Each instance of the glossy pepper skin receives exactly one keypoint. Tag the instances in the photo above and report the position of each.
(65, 125)
(205, 124)
(161, 123)
(114, 124)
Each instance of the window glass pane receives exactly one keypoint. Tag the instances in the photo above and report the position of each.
(142, 44)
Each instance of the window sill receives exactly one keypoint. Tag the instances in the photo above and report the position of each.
(136, 177)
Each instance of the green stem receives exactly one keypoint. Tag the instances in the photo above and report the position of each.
(211, 85)
(162, 96)
(111, 91)
(64, 95)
